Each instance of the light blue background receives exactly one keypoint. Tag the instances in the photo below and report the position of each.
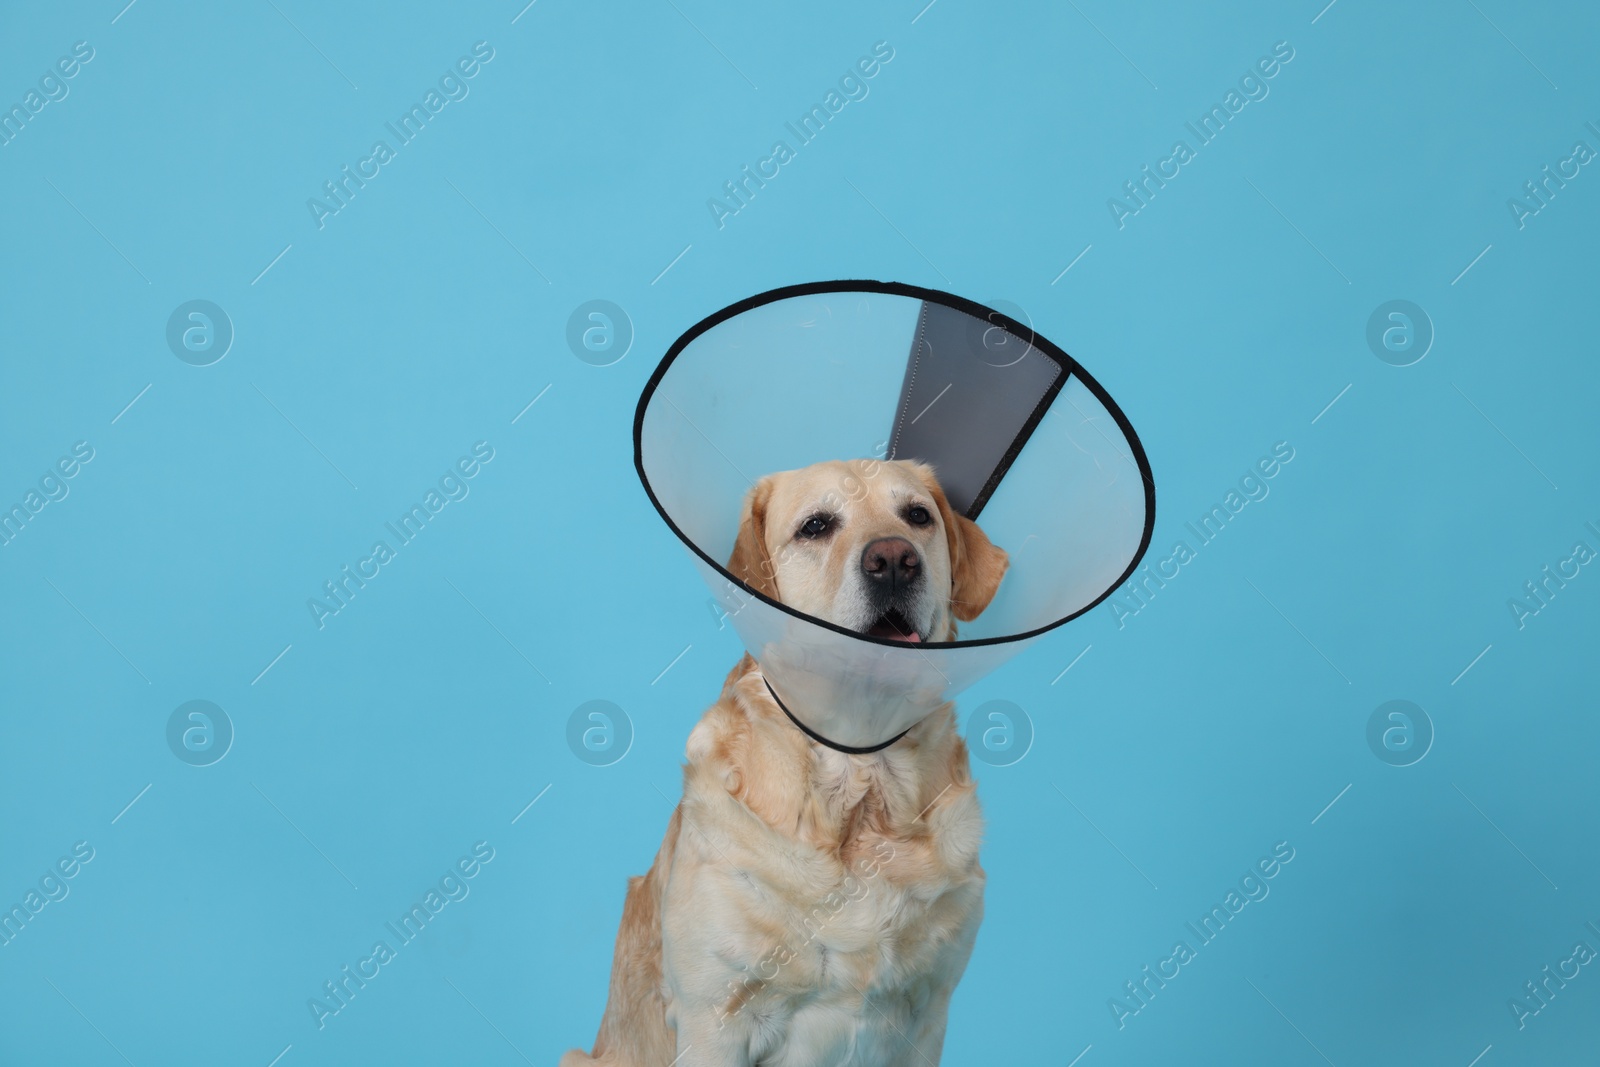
(425, 717)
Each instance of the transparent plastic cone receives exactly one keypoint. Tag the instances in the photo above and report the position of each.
(1023, 441)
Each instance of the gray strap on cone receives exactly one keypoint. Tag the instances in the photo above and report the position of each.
(973, 393)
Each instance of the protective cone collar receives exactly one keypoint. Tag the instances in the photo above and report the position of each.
(1014, 428)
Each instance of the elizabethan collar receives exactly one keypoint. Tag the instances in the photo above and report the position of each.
(1015, 430)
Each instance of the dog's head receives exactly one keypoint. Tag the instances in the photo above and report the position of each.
(869, 545)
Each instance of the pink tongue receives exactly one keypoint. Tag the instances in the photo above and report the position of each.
(889, 630)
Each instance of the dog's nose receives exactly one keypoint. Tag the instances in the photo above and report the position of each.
(891, 562)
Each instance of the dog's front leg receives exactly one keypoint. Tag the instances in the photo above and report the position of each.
(706, 995)
(921, 1043)
(706, 1008)
(704, 1040)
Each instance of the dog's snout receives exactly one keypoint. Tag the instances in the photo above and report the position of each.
(891, 563)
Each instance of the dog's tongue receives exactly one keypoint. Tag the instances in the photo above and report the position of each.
(888, 628)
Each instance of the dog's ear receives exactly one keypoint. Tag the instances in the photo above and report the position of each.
(976, 563)
(751, 563)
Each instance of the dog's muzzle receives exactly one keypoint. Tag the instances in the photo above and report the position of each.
(891, 569)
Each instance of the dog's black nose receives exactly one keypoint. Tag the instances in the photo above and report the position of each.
(891, 563)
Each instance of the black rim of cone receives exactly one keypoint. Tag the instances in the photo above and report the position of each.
(935, 296)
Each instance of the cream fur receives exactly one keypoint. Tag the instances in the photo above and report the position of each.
(810, 908)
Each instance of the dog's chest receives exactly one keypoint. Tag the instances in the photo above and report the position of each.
(868, 947)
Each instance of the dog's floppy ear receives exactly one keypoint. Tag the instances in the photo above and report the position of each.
(976, 563)
(751, 563)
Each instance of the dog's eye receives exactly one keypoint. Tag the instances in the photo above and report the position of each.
(816, 526)
(917, 515)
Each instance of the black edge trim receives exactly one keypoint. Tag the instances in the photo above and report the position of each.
(819, 739)
(917, 293)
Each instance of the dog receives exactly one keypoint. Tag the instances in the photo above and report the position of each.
(810, 907)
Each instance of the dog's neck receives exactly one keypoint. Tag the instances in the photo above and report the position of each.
(836, 801)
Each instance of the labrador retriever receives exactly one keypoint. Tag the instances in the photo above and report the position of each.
(811, 907)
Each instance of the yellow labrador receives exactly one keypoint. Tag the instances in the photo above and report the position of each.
(809, 907)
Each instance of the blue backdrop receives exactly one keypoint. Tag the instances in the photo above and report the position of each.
(183, 482)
